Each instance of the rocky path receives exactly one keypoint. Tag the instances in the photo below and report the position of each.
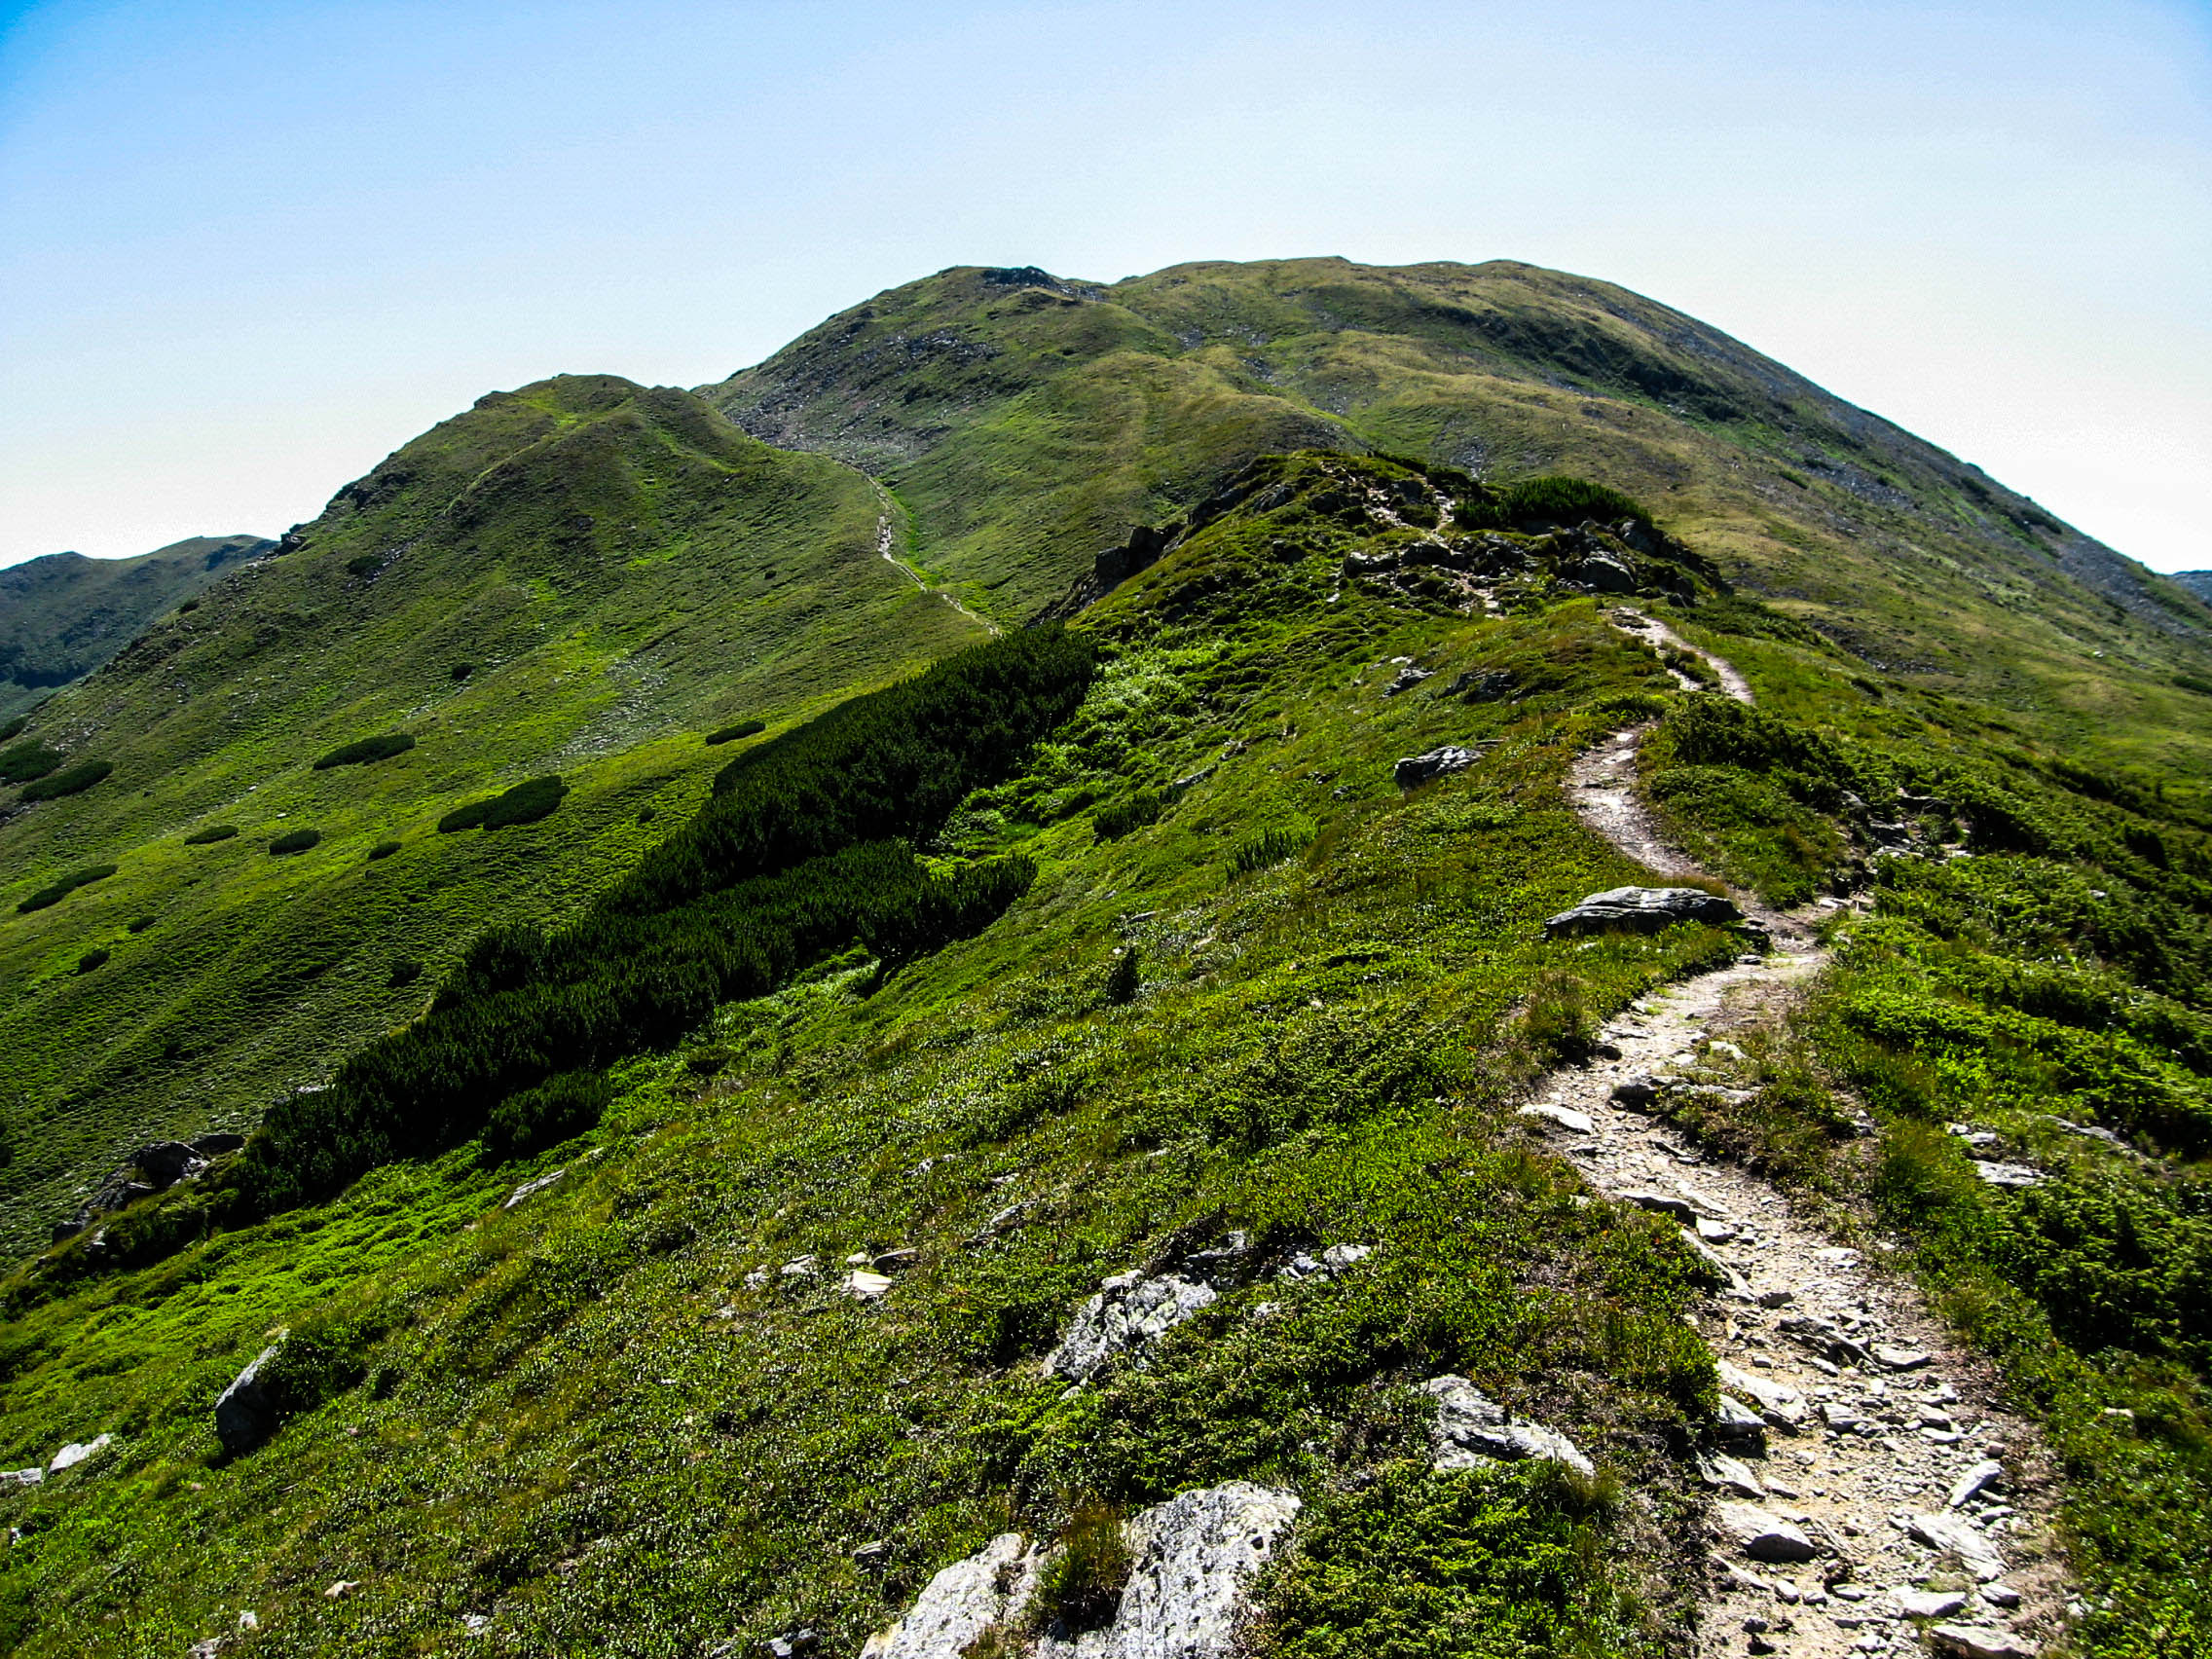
(1871, 1494)
(886, 537)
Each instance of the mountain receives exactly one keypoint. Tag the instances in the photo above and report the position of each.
(579, 578)
(1563, 1005)
(2198, 583)
(1028, 421)
(63, 615)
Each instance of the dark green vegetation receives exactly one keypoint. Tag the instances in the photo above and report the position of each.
(63, 615)
(27, 761)
(296, 841)
(69, 780)
(1051, 983)
(57, 891)
(620, 565)
(366, 749)
(731, 734)
(526, 803)
(209, 836)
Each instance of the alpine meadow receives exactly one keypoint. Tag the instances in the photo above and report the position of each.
(1278, 961)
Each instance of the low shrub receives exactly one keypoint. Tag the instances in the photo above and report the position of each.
(318, 1359)
(13, 729)
(1270, 846)
(405, 971)
(1117, 818)
(557, 1109)
(139, 924)
(27, 761)
(1559, 1020)
(295, 841)
(209, 836)
(366, 749)
(463, 670)
(55, 892)
(1079, 1587)
(364, 564)
(382, 850)
(74, 781)
(1125, 978)
(92, 959)
(524, 803)
(731, 734)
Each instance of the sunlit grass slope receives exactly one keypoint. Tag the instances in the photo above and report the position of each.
(581, 578)
(1030, 421)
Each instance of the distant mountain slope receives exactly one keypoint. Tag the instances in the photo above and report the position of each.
(61, 617)
(2198, 582)
(579, 578)
(1028, 421)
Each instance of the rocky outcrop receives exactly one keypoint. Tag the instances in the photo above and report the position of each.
(1132, 1311)
(244, 1413)
(154, 1167)
(1191, 1563)
(1471, 1429)
(1642, 909)
(1439, 762)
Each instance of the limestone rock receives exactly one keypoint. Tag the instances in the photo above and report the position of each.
(862, 1285)
(1472, 1430)
(1778, 1403)
(2006, 1174)
(1931, 1603)
(1970, 1641)
(1565, 1117)
(1195, 1556)
(1417, 769)
(1764, 1536)
(1729, 1475)
(1962, 1538)
(1982, 1475)
(1642, 909)
(963, 1601)
(1132, 1311)
(244, 1413)
(70, 1455)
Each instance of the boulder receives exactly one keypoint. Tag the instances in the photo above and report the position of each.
(244, 1414)
(1961, 1537)
(1472, 1430)
(1778, 1403)
(2006, 1174)
(1406, 679)
(1718, 1469)
(1971, 1642)
(217, 1144)
(1931, 1603)
(1975, 1481)
(79, 1451)
(1764, 1536)
(1642, 909)
(167, 1162)
(1565, 1117)
(1132, 1311)
(1193, 1558)
(1417, 769)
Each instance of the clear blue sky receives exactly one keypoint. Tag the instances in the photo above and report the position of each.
(247, 249)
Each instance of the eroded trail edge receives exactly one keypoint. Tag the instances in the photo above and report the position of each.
(1871, 1494)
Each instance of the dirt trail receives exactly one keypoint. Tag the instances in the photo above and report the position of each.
(1834, 1530)
(886, 537)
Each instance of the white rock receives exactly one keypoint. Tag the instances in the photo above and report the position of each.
(1565, 1117)
(1982, 1475)
(1777, 1402)
(961, 1602)
(1334, 1260)
(2000, 1594)
(1894, 1358)
(800, 1266)
(530, 1188)
(1715, 1232)
(1730, 1474)
(1194, 1555)
(75, 1452)
(2006, 1174)
(1472, 1430)
(863, 1286)
(1130, 1311)
(1764, 1536)
(1970, 1642)
(24, 1477)
(1963, 1539)
(1930, 1603)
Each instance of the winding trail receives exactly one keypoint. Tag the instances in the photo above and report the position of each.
(1859, 1415)
(886, 537)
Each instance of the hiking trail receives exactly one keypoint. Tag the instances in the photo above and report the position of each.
(1876, 1498)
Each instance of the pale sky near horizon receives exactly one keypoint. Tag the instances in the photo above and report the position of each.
(248, 249)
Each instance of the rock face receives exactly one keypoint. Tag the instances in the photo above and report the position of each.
(1132, 1311)
(1472, 1430)
(244, 1414)
(1439, 762)
(153, 1168)
(961, 1602)
(1640, 910)
(1193, 1559)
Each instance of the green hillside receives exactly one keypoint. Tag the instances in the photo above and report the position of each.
(581, 578)
(1028, 421)
(63, 615)
(719, 1018)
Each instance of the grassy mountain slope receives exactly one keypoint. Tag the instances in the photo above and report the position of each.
(1028, 421)
(1254, 988)
(577, 579)
(61, 617)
